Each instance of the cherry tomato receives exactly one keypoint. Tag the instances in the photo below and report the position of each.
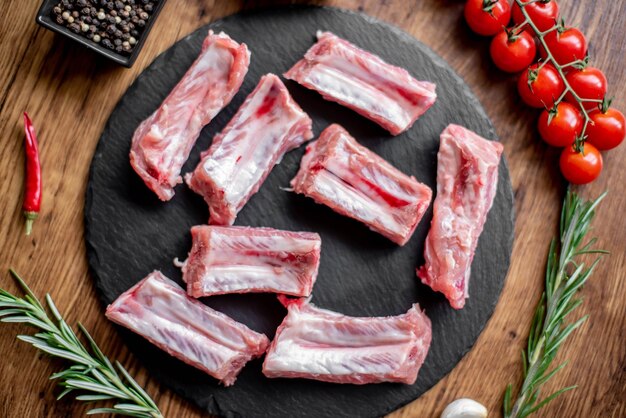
(589, 83)
(581, 168)
(607, 130)
(562, 129)
(567, 46)
(543, 15)
(546, 87)
(487, 17)
(513, 53)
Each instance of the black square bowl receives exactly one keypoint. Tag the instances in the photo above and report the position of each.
(44, 18)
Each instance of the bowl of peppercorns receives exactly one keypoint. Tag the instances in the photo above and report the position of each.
(116, 29)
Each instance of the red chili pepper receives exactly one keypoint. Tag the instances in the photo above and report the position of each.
(32, 188)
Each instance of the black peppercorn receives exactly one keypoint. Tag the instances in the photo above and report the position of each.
(141, 23)
(113, 13)
(148, 8)
(117, 41)
(119, 49)
(134, 33)
(111, 29)
(74, 27)
(60, 20)
(107, 43)
(119, 5)
(75, 14)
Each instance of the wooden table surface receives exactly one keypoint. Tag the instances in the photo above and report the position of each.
(69, 93)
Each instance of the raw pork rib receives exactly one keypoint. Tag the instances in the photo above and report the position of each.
(159, 310)
(355, 182)
(233, 259)
(162, 143)
(318, 344)
(346, 74)
(467, 178)
(268, 124)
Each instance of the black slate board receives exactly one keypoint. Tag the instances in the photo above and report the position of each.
(130, 233)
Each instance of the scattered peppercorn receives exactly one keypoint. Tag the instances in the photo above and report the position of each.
(115, 24)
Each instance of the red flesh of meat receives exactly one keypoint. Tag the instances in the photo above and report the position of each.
(361, 81)
(355, 182)
(268, 124)
(237, 259)
(318, 344)
(467, 179)
(159, 310)
(162, 143)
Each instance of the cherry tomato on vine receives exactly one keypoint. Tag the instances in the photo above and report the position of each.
(560, 126)
(540, 87)
(487, 17)
(543, 14)
(581, 168)
(588, 83)
(566, 45)
(513, 53)
(607, 130)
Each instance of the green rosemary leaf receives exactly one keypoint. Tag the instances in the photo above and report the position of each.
(53, 308)
(30, 296)
(56, 352)
(133, 383)
(64, 393)
(30, 340)
(95, 387)
(94, 347)
(550, 398)
(97, 411)
(506, 402)
(131, 407)
(29, 321)
(7, 312)
(540, 381)
(564, 334)
(94, 398)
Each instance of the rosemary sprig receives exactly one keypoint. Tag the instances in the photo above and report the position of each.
(91, 372)
(549, 328)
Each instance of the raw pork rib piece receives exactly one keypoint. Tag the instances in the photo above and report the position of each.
(162, 143)
(266, 126)
(233, 259)
(467, 178)
(346, 74)
(159, 310)
(355, 182)
(318, 344)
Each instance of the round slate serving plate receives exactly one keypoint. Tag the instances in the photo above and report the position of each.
(130, 233)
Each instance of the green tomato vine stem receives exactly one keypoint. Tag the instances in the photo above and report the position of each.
(580, 139)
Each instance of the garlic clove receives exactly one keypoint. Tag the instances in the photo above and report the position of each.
(464, 408)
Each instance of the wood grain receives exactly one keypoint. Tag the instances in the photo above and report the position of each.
(69, 93)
